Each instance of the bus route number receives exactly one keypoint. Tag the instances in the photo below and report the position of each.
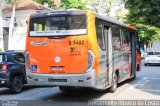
(76, 42)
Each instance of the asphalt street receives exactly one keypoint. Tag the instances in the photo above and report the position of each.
(146, 86)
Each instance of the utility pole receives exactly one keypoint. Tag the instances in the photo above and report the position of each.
(1, 26)
(11, 26)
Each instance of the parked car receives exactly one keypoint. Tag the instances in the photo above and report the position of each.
(152, 58)
(12, 70)
(143, 54)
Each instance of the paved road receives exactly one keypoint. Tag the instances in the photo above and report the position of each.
(145, 87)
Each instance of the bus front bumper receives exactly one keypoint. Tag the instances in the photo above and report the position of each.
(73, 80)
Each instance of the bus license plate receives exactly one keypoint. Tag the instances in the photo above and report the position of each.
(57, 80)
(57, 69)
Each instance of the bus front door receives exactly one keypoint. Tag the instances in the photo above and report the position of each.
(109, 62)
(133, 55)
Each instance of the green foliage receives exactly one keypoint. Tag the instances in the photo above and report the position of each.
(49, 2)
(11, 2)
(66, 4)
(107, 7)
(145, 15)
(145, 11)
(8, 2)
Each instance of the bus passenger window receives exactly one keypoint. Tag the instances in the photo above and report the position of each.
(116, 39)
(125, 45)
(100, 34)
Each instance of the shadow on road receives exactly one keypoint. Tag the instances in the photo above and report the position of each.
(26, 88)
(4, 91)
(81, 94)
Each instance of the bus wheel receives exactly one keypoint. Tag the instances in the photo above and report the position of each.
(115, 83)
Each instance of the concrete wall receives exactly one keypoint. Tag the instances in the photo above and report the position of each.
(20, 16)
(2, 3)
(1, 32)
(18, 38)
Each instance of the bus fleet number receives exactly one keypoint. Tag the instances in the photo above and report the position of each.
(76, 42)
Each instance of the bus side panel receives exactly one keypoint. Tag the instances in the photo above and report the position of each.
(95, 48)
(92, 41)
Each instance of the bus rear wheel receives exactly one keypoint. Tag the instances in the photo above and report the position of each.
(115, 84)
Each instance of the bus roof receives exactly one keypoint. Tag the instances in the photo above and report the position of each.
(112, 20)
(59, 12)
(82, 12)
(109, 19)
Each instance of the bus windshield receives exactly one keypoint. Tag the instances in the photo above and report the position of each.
(58, 25)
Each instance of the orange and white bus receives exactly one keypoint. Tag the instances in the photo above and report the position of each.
(77, 48)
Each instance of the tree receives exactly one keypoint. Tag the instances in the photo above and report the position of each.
(50, 3)
(78, 4)
(144, 14)
(65, 4)
(114, 8)
(144, 11)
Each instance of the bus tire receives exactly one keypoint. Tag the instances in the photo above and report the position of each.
(115, 84)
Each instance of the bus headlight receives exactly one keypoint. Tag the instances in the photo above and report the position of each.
(90, 60)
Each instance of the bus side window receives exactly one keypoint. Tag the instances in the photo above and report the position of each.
(100, 34)
(126, 41)
(116, 38)
(125, 45)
